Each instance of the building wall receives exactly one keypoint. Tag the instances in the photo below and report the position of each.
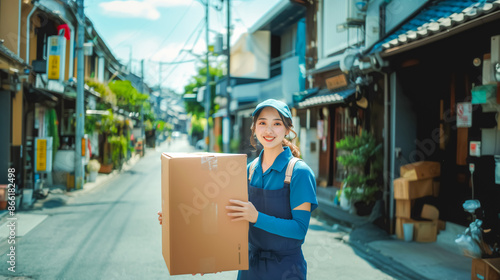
(309, 148)
(9, 18)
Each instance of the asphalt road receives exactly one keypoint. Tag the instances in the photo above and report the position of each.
(112, 232)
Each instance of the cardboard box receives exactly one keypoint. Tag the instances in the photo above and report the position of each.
(197, 234)
(421, 170)
(425, 231)
(403, 208)
(485, 269)
(412, 189)
(429, 212)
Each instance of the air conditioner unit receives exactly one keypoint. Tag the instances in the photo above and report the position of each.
(356, 12)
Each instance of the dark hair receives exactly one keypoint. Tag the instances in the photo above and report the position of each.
(288, 125)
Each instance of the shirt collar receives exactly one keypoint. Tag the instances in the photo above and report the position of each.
(281, 160)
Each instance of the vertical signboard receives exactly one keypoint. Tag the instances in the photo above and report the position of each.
(43, 155)
(56, 52)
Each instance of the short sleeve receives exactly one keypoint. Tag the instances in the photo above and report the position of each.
(303, 186)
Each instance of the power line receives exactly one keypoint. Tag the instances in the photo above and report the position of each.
(175, 66)
(172, 31)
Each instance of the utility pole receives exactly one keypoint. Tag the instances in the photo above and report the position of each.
(207, 86)
(227, 141)
(142, 111)
(80, 121)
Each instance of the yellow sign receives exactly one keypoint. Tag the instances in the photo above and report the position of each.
(41, 154)
(336, 82)
(54, 66)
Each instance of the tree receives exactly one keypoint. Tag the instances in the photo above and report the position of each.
(198, 81)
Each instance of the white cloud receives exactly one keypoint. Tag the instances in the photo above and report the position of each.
(139, 9)
(130, 9)
(169, 3)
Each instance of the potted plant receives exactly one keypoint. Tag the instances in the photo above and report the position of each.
(93, 167)
(362, 159)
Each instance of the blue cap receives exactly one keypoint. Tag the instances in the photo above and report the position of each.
(276, 104)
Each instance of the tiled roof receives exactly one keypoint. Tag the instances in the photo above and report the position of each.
(327, 97)
(438, 17)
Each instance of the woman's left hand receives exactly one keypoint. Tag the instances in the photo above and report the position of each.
(242, 211)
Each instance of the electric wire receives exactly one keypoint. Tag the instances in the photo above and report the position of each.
(172, 31)
(183, 47)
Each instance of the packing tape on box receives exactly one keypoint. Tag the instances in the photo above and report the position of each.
(209, 162)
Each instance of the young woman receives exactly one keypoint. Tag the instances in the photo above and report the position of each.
(279, 208)
(282, 195)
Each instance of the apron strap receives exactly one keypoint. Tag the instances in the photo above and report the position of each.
(289, 170)
(252, 168)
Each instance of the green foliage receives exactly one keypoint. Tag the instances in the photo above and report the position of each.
(119, 146)
(107, 95)
(363, 162)
(197, 127)
(162, 126)
(234, 145)
(52, 130)
(148, 126)
(198, 81)
(90, 124)
(108, 123)
(127, 97)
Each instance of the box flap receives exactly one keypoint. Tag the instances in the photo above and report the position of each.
(430, 212)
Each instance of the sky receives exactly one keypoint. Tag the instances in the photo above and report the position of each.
(157, 31)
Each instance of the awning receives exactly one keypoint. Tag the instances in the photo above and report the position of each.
(438, 21)
(327, 97)
(36, 95)
(302, 95)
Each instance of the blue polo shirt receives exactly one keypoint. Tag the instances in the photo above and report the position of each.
(302, 185)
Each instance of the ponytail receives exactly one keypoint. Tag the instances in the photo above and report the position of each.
(293, 148)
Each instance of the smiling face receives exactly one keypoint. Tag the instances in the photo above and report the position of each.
(269, 129)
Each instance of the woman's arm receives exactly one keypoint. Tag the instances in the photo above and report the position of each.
(295, 228)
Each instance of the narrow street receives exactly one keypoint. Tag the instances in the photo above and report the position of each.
(112, 232)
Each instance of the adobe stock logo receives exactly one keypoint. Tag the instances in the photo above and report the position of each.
(201, 198)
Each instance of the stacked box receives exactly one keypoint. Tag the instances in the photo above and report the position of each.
(421, 170)
(425, 228)
(416, 181)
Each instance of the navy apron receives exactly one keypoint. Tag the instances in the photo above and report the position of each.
(273, 257)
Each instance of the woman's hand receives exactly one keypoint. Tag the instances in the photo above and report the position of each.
(242, 211)
(160, 217)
